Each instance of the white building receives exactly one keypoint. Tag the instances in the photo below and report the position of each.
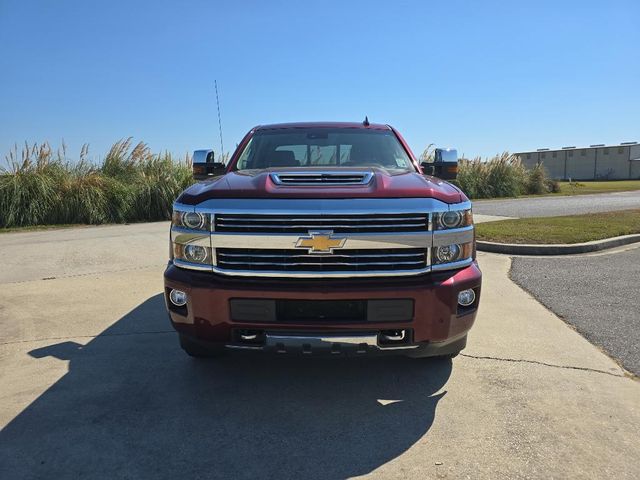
(596, 162)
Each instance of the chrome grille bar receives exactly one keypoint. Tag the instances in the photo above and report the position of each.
(332, 227)
(271, 218)
(338, 223)
(250, 264)
(321, 178)
(333, 255)
(294, 260)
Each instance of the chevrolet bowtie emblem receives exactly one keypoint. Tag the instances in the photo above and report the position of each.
(320, 242)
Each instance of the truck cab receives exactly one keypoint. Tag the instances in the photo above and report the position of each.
(323, 239)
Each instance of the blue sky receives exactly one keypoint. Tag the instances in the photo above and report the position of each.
(480, 76)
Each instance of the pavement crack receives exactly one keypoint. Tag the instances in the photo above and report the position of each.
(85, 274)
(545, 364)
(87, 336)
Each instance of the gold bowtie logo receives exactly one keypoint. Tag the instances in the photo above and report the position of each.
(320, 242)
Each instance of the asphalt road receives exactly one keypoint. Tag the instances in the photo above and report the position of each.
(94, 385)
(598, 294)
(556, 206)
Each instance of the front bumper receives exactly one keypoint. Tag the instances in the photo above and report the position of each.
(437, 320)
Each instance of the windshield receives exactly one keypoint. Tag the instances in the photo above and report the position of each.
(324, 147)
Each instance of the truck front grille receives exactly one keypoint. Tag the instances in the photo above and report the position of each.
(367, 223)
(299, 261)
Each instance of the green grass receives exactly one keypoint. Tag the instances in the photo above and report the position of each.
(586, 187)
(569, 229)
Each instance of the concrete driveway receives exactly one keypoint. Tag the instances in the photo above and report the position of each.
(557, 206)
(94, 385)
(597, 294)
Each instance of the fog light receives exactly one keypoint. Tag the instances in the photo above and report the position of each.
(178, 298)
(448, 253)
(195, 253)
(466, 297)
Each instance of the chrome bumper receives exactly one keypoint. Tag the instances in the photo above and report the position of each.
(334, 344)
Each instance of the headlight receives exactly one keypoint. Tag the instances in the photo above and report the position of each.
(453, 219)
(447, 253)
(195, 253)
(191, 220)
(192, 253)
(451, 253)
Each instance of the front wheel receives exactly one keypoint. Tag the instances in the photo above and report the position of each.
(197, 350)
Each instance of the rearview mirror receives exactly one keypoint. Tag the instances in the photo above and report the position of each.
(444, 166)
(205, 166)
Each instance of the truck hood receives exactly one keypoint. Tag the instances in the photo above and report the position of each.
(260, 184)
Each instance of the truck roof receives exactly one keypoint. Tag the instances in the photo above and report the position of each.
(277, 126)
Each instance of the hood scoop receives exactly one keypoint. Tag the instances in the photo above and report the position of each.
(322, 178)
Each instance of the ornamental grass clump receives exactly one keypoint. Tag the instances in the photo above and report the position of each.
(42, 187)
(501, 176)
(151, 182)
(29, 185)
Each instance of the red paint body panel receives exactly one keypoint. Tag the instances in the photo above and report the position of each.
(280, 126)
(434, 295)
(244, 185)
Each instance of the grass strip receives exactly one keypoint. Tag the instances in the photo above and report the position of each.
(566, 229)
(584, 188)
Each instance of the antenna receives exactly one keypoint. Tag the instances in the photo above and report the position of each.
(366, 121)
(219, 121)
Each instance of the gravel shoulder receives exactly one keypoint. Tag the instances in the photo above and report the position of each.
(597, 294)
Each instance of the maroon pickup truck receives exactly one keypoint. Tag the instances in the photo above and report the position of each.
(323, 238)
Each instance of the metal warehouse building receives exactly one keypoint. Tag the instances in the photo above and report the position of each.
(596, 162)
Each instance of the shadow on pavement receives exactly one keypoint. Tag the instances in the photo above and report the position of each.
(135, 406)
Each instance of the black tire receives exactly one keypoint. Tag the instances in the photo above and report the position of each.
(196, 350)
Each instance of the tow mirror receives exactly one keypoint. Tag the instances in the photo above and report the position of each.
(205, 166)
(444, 166)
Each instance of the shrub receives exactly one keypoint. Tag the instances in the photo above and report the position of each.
(131, 184)
(150, 182)
(29, 186)
(536, 180)
(500, 176)
(552, 186)
(159, 180)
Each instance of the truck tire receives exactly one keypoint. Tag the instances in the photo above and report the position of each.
(196, 350)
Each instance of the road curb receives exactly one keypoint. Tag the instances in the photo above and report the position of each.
(557, 249)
